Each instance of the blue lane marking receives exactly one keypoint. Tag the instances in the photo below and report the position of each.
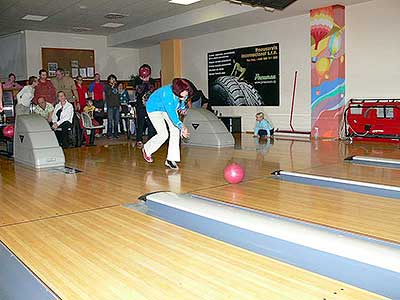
(368, 277)
(374, 164)
(341, 186)
(17, 282)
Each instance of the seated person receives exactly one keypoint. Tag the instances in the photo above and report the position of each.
(44, 109)
(62, 119)
(262, 128)
(90, 109)
(11, 83)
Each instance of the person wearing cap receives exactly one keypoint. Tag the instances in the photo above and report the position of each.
(144, 86)
(163, 108)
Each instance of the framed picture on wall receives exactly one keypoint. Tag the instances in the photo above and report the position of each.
(82, 72)
(52, 68)
(90, 72)
(74, 72)
(74, 63)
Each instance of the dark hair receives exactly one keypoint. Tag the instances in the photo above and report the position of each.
(179, 85)
(32, 79)
(111, 76)
(96, 74)
(60, 70)
(11, 74)
(60, 92)
(41, 71)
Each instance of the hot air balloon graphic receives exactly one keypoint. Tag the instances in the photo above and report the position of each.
(322, 66)
(335, 43)
(321, 23)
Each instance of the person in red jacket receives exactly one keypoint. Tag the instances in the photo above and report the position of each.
(82, 92)
(45, 89)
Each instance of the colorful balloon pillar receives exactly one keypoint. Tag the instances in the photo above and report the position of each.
(327, 70)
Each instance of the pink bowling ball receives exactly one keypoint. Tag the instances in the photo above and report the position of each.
(234, 173)
(8, 131)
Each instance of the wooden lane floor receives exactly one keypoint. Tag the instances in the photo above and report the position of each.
(115, 253)
(373, 216)
(117, 174)
(325, 166)
(352, 171)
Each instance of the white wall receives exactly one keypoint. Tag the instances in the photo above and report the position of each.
(372, 58)
(120, 61)
(13, 56)
(373, 50)
(293, 37)
(152, 56)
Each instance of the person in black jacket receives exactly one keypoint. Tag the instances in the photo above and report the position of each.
(144, 86)
(113, 105)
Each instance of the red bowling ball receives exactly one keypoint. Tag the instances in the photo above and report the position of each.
(8, 131)
(234, 173)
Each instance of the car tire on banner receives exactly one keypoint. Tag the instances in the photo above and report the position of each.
(252, 96)
(235, 93)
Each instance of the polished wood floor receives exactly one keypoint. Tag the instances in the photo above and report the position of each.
(73, 233)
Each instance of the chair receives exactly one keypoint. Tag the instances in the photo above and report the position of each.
(88, 125)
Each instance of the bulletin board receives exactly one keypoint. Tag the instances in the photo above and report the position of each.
(74, 61)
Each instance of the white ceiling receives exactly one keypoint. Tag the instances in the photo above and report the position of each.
(65, 14)
(148, 21)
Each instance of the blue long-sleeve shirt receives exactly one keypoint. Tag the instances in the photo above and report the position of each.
(263, 124)
(164, 100)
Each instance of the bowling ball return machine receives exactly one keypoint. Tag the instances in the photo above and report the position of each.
(35, 143)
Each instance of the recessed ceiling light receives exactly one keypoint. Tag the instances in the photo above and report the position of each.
(183, 2)
(114, 16)
(82, 6)
(81, 29)
(112, 25)
(35, 18)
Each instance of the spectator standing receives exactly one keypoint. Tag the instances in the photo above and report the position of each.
(124, 100)
(67, 85)
(144, 86)
(44, 89)
(96, 90)
(82, 92)
(113, 106)
(25, 96)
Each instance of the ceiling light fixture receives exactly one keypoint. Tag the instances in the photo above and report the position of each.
(35, 18)
(183, 2)
(112, 25)
(114, 16)
(270, 9)
(81, 29)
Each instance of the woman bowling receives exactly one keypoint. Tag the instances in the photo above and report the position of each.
(163, 108)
